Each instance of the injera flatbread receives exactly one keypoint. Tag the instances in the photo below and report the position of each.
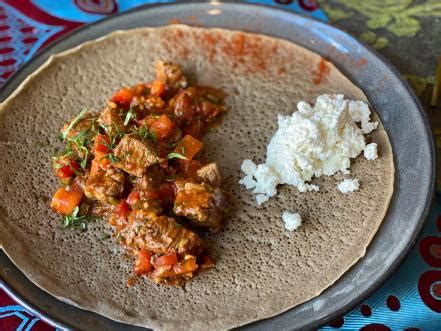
(262, 269)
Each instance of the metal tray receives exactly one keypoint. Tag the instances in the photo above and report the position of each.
(389, 94)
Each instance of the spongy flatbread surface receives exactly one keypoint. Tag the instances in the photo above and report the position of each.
(262, 269)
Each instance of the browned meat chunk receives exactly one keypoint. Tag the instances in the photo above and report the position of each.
(79, 134)
(201, 203)
(113, 119)
(210, 173)
(105, 185)
(170, 74)
(161, 235)
(151, 180)
(135, 155)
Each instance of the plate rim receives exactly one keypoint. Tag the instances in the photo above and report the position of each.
(45, 53)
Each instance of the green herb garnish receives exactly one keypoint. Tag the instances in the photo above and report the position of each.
(81, 141)
(73, 221)
(129, 115)
(112, 158)
(175, 156)
(75, 120)
(83, 163)
(144, 133)
(112, 137)
(153, 137)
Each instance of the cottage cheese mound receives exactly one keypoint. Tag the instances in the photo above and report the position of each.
(292, 220)
(348, 186)
(314, 141)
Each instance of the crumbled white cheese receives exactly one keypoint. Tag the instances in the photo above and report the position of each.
(292, 220)
(360, 112)
(348, 186)
(370, 151)
(312, 187)
(261, 198)
(313, 141)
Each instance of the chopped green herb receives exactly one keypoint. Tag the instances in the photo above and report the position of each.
(112, 137)
(153, 137)
(112, 158)
(83, 162)
(73, 221)
(129, 115)
(175, 156)
(82, 142)
(103, 126)
(170, 178)
(75, 120)
(144, 133)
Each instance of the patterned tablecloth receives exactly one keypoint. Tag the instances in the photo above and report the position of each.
(407, 32)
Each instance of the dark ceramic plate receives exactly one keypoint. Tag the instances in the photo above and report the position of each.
(398, 108)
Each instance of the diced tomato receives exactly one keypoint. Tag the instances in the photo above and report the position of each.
(102, 160)
(167, 191)
(124, 97)
(158, 88)
(99, 162)
(185, 266)
(133, 197)
(102, 143)
(143, 264)
(169, 259)
(188, 147)
(68, 170)
(123, 210)
(64, 201)
(162, 128)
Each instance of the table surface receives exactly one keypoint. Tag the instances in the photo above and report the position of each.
(406, 32)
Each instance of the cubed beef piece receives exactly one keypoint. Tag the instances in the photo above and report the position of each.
(202, 204)
(105, 184)
(135, 155)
